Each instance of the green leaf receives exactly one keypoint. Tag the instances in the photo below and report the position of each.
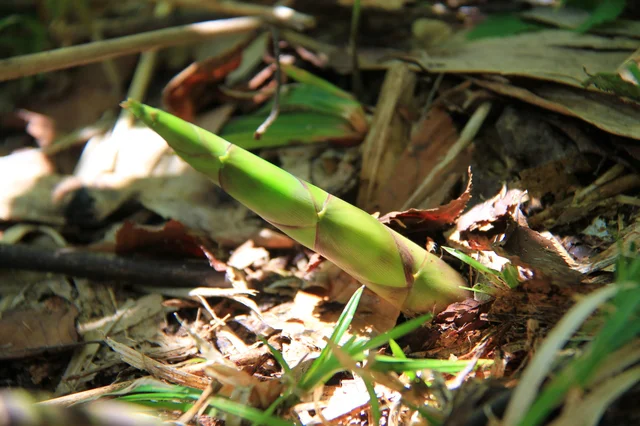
(277, 355)
(373, 401)
(611, 82)
(501, 25)
(621, 326)
(289, 128)
(306, 77)
(396, 350)
(386, 363)
(310, 98)
(606, 11)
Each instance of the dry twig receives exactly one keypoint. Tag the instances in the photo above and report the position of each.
(101, 266)
(66, 57)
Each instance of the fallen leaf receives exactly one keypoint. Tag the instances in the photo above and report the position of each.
(389, 134)
(171, 237)
(27, 183)
(499, 225)
(552, 55)
(184, 93)
(246, 255)
(49, 327)
(602, 110)
(431, 139)
(430, 219)
(528, 248)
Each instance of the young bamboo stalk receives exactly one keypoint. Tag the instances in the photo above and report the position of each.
(394, 267)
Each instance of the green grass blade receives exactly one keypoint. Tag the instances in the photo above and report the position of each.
(396, 350)
(248, 413)
(312, 377)
(613, 335)
(277, 355)
(385, 363)
(396, 332)
(376, 413)
(605, 11)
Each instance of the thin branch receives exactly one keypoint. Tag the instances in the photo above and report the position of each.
(278, 14)
(66, 57)
(106, 267)
(275, 108)
(142, 75)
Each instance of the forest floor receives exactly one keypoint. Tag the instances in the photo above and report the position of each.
(502, 137)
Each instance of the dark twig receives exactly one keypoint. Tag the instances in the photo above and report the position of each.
(275, 108)
(108, 267)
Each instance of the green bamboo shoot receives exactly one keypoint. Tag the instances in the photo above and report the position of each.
(394, 267)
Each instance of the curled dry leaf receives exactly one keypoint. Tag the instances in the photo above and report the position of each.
(431, 219)
(499, 225)
(184, 92)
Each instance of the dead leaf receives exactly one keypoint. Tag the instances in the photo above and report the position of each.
(172, 237)
(184, 93)
(499, 225)
(430, 219)
(27, 182)
(247, 254)
(388, 136)
(41, 127)
(430, 141)
(49, 327)
(552, 55)
(604, 111)
(528, 248)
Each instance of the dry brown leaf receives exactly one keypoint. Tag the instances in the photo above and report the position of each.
(248, 254)
(47, 328)
(551, 55)
(155, 368)
(431, 139)
(184, 93)
(430, 219)
(499, 225)
(172, 237)
(528, 248)
(604, 111)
